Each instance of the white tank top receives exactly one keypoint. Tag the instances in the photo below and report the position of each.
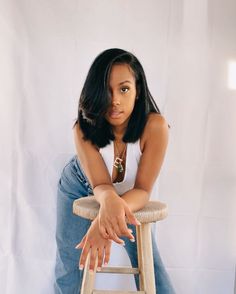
(133, 154)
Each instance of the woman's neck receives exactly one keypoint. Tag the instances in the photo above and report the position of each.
(120, 130)
(118, 133)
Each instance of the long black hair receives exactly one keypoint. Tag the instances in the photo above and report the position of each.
(95, 99)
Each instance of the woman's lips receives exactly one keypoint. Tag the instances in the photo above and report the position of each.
(115, 114)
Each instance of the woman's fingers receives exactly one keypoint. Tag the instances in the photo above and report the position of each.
(103, 232)
(116, 226)
(131, 219)
(100, 259)
(108, 232)
(93, 257)
(103, 227)
(107, 253)
(114, 237)
(83, 256)
(121, 229)
(96, 255)
(116, 229)
(125, 231)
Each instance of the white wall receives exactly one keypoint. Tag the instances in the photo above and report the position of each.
(184, 46)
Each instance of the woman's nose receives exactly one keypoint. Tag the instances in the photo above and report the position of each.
(115, 100)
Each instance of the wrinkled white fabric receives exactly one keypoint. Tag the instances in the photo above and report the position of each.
(133, 154)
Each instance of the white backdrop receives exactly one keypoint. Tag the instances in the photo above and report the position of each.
(185, 47)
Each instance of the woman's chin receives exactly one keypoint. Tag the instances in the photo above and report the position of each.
(120, 125)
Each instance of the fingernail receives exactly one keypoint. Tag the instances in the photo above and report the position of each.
(90, 271)
(99, 269)
(123, 244)
(105, 263)
(81, 267)
(132, 240)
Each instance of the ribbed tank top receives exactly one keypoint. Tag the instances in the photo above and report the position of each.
(133, 154)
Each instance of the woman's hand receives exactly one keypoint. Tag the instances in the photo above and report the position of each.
(112, 217)
(94, 243)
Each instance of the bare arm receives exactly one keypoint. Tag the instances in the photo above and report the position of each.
(135, 199)
(150, 163)
(103, 190)
(113, 208)
(89, 156)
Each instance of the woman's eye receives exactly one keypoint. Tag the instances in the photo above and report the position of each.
(124, 89)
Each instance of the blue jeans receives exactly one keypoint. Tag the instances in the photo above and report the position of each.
(71, 228)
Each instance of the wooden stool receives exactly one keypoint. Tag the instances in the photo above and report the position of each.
(88, 208)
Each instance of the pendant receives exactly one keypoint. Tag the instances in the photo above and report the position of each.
(117, 164)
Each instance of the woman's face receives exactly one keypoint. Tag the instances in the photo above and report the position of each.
(122, 87)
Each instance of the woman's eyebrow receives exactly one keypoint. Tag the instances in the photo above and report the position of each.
(127, 81)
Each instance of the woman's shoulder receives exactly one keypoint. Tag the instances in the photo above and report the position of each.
(154, 121)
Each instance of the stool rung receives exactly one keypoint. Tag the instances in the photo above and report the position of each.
(116, 292)
(119, 270)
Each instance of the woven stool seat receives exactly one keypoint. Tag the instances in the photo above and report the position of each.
(88, 208)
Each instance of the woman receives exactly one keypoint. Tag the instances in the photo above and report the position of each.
(121, 139)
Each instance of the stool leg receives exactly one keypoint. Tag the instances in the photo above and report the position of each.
(145, 259)
(87, 286)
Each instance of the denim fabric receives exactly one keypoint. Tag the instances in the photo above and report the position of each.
(71, 228)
